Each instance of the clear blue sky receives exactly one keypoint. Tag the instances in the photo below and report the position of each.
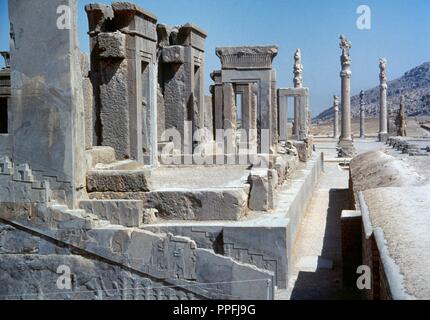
(400, 32)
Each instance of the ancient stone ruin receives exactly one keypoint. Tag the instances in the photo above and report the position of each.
(117, 169)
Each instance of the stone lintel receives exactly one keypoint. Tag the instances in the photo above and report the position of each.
(135, 9)
(257, 57)
(188, 28)
(293, 92)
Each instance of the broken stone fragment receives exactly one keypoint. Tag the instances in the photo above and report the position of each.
(259, 195)
(150, 216)
(173, 54)
(111, 45)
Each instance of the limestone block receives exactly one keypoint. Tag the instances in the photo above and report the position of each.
(111, 45)
(33, 276)
(264, 247)
(260, 190)
(229, 204)
(118, 181)
(173, 54)
(241, 281)
(100, 155)
(183, 204)
(128, 213)
(47, 93)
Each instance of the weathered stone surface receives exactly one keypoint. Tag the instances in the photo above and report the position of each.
(203, 204)
(173, 54)
(250, 284)
(47, 94)
(87, 89)
(263, 183)
(111, 45)
(128, 213)
(247, 57)
(100, 155)
(118, 181)
(123, 67)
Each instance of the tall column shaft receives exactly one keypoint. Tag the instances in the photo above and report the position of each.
(346, 106)
(383, 118)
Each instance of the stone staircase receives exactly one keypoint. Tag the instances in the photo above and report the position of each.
(172, 261)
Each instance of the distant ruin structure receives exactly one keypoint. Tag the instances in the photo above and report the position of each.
(336, 117)
(244, 93)
(362, 116)
(401, 119)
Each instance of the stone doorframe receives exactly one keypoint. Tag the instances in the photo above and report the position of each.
(301, 112)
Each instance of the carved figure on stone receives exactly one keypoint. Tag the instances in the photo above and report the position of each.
(298, 69)
(346, 46)
(383, 71)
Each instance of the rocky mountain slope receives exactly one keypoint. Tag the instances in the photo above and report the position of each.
(414, 85)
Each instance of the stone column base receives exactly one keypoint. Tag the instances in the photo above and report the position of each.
(383, 137)
(346, 149)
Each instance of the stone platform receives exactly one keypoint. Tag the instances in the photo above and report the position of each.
(263, 239)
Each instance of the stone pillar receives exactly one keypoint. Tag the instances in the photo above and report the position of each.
(362, 116)
(303, 124)
(254, 139)
(383, 118)
(298, 83)
(123, 42)
(336, 117)
(230, 116)
(274, 111)
(401, 120)
(283, 117)
(217, 100)
(47, 98)
(182, 70)
(346, 146)
(230, 121)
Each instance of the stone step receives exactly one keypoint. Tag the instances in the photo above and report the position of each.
(118, 180)
(185, 204)
(128, 213)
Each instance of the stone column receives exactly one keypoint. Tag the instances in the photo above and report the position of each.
(217, 100)
(336, 117)
(383, 124)
(283, 117)
(345, 143)
(298, 83)
(254, 140)
(230, 116)
(362, 116)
